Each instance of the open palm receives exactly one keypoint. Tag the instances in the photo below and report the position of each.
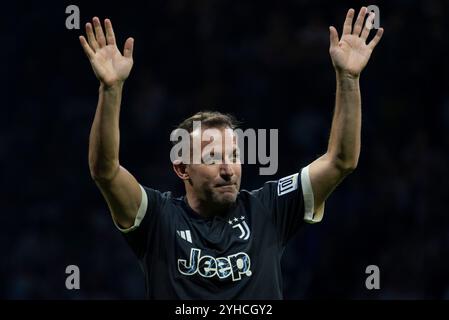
(109, 65)
(351, 53)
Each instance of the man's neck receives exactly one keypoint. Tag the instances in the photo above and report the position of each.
(205, 208)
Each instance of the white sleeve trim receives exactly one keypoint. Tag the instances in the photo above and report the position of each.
(140, 213)
(310, 214)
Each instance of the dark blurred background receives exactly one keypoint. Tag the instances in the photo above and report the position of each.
(266, 62)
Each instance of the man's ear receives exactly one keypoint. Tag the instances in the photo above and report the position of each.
(181, 170)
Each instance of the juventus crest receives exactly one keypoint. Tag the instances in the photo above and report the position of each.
(241, 226)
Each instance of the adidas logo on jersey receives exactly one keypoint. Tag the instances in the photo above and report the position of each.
(185, 235)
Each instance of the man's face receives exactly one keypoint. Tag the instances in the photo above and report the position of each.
(217, 178)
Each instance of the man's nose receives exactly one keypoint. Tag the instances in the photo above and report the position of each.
(226, 170)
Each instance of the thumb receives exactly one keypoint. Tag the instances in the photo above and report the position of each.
(128, 50)
(333, 36)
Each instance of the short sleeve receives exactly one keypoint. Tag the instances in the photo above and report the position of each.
(140, 213)
(146, 221)
(290, 202)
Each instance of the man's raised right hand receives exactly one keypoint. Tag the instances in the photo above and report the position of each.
(109, 65)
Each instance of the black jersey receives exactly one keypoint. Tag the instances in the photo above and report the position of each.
(234, 256)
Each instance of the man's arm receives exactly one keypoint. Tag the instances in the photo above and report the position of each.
(120, 189)
(349, 56)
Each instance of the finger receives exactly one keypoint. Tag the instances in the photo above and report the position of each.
(87, 49)
(333, 34)
(129, 46)
(99, 35)
(110, 37)
(368, 26)
(359, 22)
(347, 26)
(91, 37)
(373, 43)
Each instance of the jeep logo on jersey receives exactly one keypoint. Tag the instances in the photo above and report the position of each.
(207, 266)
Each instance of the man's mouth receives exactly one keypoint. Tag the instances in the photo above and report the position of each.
(226, 187)
(225, 184)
